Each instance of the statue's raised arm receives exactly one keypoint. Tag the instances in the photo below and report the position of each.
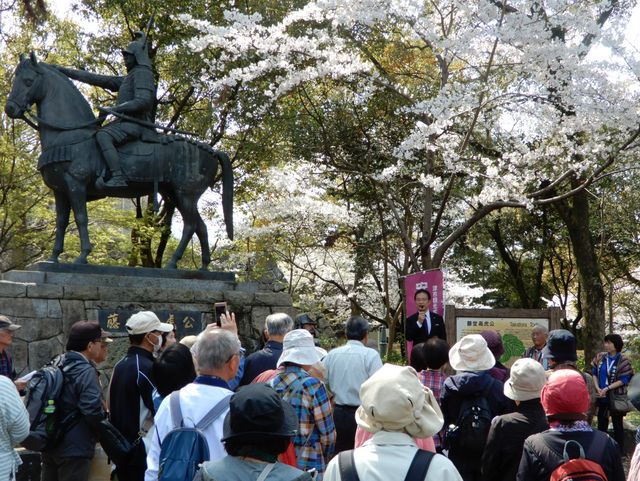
(136, 97)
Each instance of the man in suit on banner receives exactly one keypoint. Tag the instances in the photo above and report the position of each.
(424, 324)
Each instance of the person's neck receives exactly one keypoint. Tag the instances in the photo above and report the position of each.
(85, 354)
(219, 373)
(279, 339)
(144, 345)
(612, 354)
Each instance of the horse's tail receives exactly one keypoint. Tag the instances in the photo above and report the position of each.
(227, 191)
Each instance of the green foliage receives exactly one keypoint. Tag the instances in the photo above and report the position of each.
(395, 357)
(513, 347)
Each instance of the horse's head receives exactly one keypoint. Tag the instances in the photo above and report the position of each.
(26, 88)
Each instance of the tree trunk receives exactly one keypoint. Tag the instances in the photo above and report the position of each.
(575, 214)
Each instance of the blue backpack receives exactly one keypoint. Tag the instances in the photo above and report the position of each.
(183, 448)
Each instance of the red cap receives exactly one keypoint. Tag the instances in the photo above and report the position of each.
(565, 396)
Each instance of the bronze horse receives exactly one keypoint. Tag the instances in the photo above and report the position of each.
(71, 162)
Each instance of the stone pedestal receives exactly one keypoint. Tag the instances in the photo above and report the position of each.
(48, 298)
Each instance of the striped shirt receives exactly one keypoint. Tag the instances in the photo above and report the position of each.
(14, 427)
(316, 435)
(434, 380)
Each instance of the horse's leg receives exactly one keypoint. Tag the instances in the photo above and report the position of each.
(186, 209)
(203, 236)
(78, 198)
(63, 209)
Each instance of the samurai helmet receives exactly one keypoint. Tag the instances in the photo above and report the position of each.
(138, 47)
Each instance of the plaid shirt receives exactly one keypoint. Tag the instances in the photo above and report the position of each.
(434, 380)
(6, 365)
(316, 434)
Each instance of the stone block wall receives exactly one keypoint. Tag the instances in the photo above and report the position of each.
(47, 304)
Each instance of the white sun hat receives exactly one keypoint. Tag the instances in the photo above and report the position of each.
(471, 354)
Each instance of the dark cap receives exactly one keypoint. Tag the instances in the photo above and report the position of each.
(256, 410)
(305, 319)
(83, 331)
(7, 325)
(494, 343)
(561, 346)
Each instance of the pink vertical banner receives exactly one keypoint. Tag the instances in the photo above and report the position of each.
(432, 281)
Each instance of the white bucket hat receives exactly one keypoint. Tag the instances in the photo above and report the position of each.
(146, 321)
(393, 399)
(526, 381)
(298, 348)
(471, 354)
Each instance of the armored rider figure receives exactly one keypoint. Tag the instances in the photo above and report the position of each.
(136, 96)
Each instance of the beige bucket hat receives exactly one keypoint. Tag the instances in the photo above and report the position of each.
(393, 399)
(526, 380)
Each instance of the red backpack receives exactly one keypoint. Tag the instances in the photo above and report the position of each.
(581, 468)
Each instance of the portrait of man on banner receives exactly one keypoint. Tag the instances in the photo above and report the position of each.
(424, 307)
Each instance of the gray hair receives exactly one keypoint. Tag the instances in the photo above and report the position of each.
(278, 324)
(540, 328)
(214, 348)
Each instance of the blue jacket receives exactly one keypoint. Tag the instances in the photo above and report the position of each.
(261, 361)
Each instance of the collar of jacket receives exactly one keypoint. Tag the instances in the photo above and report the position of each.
(273, 345)
(140, 351)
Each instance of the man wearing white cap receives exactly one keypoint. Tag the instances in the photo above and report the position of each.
(396, 408)
(316, 436)
(503, 450)
(131, 389)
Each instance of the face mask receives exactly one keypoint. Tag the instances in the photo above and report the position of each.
(157, 345)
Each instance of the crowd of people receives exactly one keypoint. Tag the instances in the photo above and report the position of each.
(292, 411)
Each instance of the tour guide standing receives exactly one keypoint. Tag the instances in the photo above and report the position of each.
(539, 336)
(424, 324)
(347, 368)
(131, 389)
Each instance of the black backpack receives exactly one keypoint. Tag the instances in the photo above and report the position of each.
(48, 420)
(470, 432)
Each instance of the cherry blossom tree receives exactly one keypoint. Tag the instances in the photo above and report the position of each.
(503, 104)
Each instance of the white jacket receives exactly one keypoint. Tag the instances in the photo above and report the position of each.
(196, 400)
(388, 456)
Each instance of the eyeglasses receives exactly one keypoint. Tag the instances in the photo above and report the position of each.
(240, 354)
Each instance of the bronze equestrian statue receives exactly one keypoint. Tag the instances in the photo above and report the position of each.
(136, 97)
(77, 153)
